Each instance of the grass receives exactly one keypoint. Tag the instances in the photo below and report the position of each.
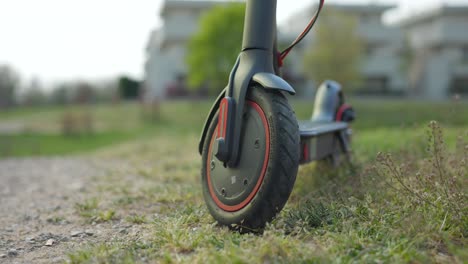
(90, 210)
(407, 204)
(41, 129)
(137, 219)
(41, 134)
(34, 144)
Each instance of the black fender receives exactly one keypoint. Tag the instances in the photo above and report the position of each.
(266, 80)
(209, 118)
(271, 81)
(328, 99)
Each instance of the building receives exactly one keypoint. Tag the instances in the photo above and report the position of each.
(431, 46)
(380, 66)
(166, 48)
(438, 40)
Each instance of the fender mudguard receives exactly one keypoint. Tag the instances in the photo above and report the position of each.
(267, 80)
(271, 81)
(328, 99)
(210, 117)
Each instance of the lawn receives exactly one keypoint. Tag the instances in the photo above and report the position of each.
(405, 205)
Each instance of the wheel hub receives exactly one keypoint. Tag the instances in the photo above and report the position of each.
(233, 188)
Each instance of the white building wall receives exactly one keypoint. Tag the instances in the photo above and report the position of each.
(166, 56)
(438, 40)
(454, 29)
(437, 75)
(384, 41)
(424, 35)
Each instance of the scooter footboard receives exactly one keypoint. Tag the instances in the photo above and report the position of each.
(319, 141)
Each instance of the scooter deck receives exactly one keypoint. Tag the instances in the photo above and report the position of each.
(314, 129)
(321, 140)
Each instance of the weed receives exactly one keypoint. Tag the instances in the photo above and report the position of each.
(438, 181)
(105, 216)
(137, 219)
(56, 220)
(89, 209)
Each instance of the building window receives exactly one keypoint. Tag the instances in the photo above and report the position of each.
(465, 53)
(365, 19)
(371, 49)
(375, 85)
(459, 85)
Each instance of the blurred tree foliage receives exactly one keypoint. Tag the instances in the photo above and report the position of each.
(60, 94)
(9, 83)
(34, 94)
(213, 50)
(84, 92)
(336, 50)
(128, 88)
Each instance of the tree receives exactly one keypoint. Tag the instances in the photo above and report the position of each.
(34, 94)
(129, 88)
(60, 94)
(411, 67)
(213, 50)
(83, 92)
(9, 82)
(336, 50)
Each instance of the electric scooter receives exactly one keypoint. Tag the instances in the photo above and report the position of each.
(251, 143)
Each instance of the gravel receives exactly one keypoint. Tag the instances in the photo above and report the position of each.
(39, 222)
(32, 192)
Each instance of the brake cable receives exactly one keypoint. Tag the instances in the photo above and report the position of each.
(306, 31)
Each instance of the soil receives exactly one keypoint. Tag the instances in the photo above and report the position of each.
(38, 219)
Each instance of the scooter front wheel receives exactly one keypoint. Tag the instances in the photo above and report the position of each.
(251, 194)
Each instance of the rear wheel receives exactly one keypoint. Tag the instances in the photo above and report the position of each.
(250, 195)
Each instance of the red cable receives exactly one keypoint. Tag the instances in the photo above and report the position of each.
(285, 52)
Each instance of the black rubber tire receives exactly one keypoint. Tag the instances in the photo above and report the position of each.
(281, 171)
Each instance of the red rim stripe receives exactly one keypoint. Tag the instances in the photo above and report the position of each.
(234, 208)
(341, 110)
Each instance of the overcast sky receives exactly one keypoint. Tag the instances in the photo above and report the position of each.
(69, 39)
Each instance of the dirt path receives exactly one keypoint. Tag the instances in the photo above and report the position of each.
(51, 207)
(37, 197)
(38, 219)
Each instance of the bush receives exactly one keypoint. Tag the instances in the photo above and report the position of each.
(435, 187)
(74, 124)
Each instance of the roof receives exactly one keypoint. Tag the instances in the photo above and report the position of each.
(365, 8)
(428, 14)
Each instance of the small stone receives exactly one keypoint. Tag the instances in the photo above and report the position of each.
(30, 239)
(58, 260)
(3, 255)
(50, 242)
(12, 252)
(89, 232)
(123, 231)
(76, 233)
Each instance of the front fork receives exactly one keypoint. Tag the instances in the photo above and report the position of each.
(250, 69)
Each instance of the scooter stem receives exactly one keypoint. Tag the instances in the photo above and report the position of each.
(257, 56)
(260, 25)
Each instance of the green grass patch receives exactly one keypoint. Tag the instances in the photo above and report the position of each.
(113, 124)
(47, 144)
(89, 209)
(405, 205)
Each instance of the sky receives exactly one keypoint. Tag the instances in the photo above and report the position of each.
(58, 40)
